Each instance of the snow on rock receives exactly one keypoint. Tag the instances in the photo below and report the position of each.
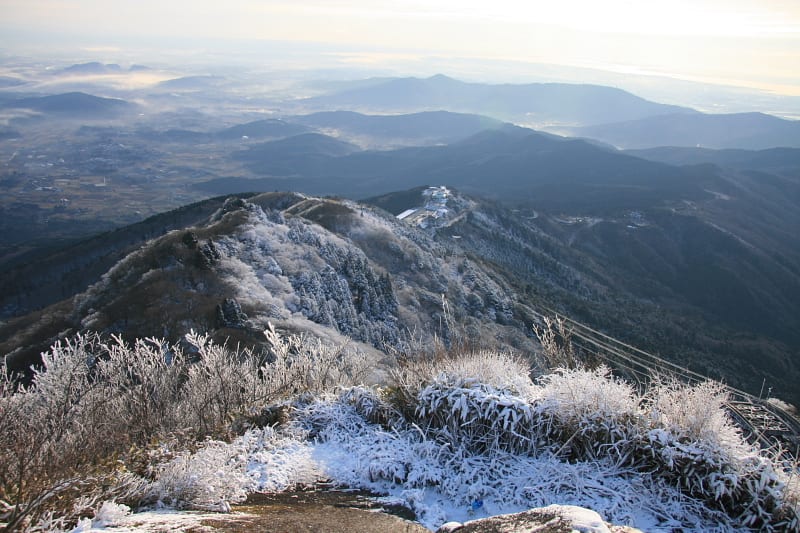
(109, 513)
(580, 518)
(156, 522)
(553, 518)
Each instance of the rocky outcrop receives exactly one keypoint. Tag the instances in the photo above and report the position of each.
(230, 315)
(208, 255)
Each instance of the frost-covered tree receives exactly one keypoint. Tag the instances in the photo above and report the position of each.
(81, 431)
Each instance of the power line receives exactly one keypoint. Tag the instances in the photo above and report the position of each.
(764, 423)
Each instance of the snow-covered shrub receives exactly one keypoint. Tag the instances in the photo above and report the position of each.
(67, 437)
(370, 404)
(442, 481)
(477, 416)
(451, 433)
(481, 400)
(390, 457)
(495, 369)
(154, 388)
(556, 342)
(695, 412)
(279, 460)
(220, 384)
(588, 413)
(499, 370)
(784, 406)
(108, 513)
(54, 441)
(211, 478)
(747, 487)
(791, 499)
(690, 441)
(141, 384)
(679, 434)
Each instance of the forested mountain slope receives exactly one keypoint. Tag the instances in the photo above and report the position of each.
(687, 282)
(331, 267)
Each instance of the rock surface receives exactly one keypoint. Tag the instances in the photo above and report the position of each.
(550, 519)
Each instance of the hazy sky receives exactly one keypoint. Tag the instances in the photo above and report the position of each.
(754, 43)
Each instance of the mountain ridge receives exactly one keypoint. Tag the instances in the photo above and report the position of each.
(752, 131)
(286, 258)
(427, 127)
(73, 104)
(509, 163)
(538, 102)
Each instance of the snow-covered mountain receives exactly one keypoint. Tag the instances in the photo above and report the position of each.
(332, 267)
(464, 269)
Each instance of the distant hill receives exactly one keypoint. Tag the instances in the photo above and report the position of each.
(751, 131)
(93, 67)
(259, 129)
(75, 104)
(537, 103)
(175, 136)
(282, 157)
(9, 133)
(513, 164)
(770, 159)
(430, 127)
(191, 83)
(8, 81)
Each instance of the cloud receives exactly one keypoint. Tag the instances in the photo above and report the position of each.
(751, 40)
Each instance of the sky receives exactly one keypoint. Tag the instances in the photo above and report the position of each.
(748, 43)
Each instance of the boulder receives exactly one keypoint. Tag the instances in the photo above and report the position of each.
(550, 519)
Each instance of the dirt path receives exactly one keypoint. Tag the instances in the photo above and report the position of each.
(312, 511)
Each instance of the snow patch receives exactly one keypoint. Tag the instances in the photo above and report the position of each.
(579, 518)
(155, 522)
(277, 463)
